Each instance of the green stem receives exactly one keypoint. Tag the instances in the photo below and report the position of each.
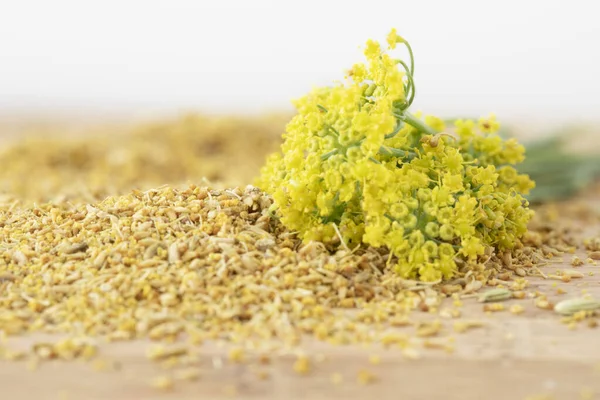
(321, 108)
(410, 88)
(412, 58)
(327, 155)
(398, 127)
(413, 90)
(417, 123)
(391, 151)
(331, 128)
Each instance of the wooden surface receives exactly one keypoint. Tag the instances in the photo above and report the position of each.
(510, 357)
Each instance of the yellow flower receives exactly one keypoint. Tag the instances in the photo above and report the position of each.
(508, 174)
(358, 73)
(372, 50)
(513, 152)
(352, 159)
(472, 247)
(437, 124)
(524, 184)
(432, 229)
(485, 176)
(394, 39)
(453, 182)
(399, 210)
(374, 234)
(453, 160)
(430, 273)
(446, 232)
(465, 129)
(313, 121)
(489, 125)
(441, 196)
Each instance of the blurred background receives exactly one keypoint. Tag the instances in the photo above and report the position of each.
(105, 67)
(520, 59)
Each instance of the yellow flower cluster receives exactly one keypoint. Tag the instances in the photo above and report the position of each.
(357, 166)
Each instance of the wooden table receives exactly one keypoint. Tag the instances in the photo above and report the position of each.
(511, 357)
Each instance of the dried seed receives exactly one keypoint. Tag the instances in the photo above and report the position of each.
(400, 320)
(262, 375)
(365, 377)
(19, 257)
(519, 295)
(449, 313)
(543, 303)
(68, 248)
(463, 326)
(160, 352)
(173, 255)
(187, 374)
(302, 365)
(572, 306)
(163, 383)
(520, 271)
(7, 277)
(594, 255)
(493, 307)
(473, 286)
(236, 355)
(576, 261)
(429, 329)
(411, 353)
(571, 273)
(495, 295)
(517, 309)
(264, 244)
(374, 359)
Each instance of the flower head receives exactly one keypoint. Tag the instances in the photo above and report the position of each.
(393, 38)
(356, 163)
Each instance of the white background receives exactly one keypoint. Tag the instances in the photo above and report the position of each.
(520, 59)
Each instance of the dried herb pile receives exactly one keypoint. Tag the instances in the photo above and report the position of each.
(206, 264)
(218, 151)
